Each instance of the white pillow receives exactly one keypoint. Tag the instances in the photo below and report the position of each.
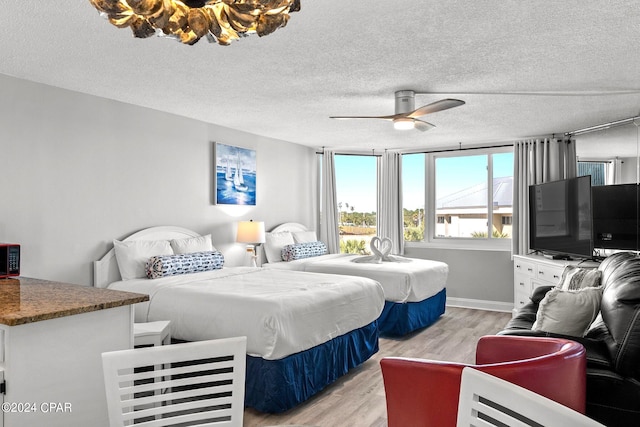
(305, 236)
(192, 244)
(568, 312)
(575, 278)
(133, 255)
(273, 244)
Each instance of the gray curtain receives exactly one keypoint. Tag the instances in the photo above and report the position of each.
(329, 232)
(534, 162)
(390, 220)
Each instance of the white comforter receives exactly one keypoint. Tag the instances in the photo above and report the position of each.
(402, 281)
(280, 312)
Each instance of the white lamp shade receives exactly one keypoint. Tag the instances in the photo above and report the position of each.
(250, 232)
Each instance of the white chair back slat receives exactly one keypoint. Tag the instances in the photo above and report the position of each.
(488, 401)
(200, 383)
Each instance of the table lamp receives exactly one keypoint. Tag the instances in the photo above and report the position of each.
(252, 233)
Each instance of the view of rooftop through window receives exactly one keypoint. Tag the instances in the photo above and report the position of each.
(461, 197)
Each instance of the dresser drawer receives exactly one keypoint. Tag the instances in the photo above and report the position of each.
(522, 283)
(549, 274)
(520, 299)
(523, 267)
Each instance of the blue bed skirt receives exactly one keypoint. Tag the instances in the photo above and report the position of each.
(398, 319)
(278, 385)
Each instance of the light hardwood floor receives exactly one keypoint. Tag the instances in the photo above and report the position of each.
(357, 399)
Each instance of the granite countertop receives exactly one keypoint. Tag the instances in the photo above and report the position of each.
(26, 300)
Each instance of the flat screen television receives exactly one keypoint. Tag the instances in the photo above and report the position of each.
(615, 216)
(560, 218)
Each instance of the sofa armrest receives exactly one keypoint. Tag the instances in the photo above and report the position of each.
(539, 293)
(597, 352)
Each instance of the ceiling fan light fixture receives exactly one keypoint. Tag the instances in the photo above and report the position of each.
(403, 123)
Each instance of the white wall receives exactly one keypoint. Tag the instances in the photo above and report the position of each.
(477, 278)
(79, 171)
(629, 170)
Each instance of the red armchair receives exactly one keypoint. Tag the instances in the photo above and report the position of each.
(425, 392)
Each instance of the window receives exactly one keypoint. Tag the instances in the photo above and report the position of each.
(467, 196)
(597, 170)
(356, 188)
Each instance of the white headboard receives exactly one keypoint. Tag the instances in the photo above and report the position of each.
(287, 226)
(106, 271)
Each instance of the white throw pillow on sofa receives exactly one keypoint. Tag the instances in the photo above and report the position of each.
(568, 312)
(576, 278)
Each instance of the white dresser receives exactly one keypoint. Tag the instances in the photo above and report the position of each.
(531, 271)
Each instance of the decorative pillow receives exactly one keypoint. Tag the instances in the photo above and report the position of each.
(305, 236)
(273, 244)
(574, 278)
(568, 312)
(133, 255)
(192, 244)
(170, 265)
(303, 250)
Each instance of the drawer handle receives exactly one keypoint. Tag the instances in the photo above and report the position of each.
(521, 284)
(529, 269)
(555, 276)
(518, 266)
(541, 273)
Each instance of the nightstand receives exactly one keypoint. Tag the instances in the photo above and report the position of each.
(152, 333)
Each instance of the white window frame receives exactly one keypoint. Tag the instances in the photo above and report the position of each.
(469, 243)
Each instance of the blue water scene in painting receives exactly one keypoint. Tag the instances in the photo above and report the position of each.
(228, 194)
(235, 175)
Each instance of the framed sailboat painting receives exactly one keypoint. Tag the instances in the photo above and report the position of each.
(235, 175)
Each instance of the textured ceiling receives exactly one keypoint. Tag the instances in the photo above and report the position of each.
(578, 60)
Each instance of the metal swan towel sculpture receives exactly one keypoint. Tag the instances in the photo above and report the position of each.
(381, 249)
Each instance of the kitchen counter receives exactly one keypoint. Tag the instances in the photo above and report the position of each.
(25, 300)
(52, 336)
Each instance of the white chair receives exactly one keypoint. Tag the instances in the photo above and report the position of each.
(486, 400)
(201, 384)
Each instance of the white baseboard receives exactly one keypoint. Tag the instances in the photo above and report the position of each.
(477, 304)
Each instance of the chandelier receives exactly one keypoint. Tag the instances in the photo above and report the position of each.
(221, 21)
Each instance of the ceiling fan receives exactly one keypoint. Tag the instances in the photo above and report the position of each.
(406, 116)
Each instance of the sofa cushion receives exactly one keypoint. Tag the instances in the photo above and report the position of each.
(568, 312)
(576, 278)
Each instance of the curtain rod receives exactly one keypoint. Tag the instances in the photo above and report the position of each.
(353, 154)
(602, 126)
(447, 150)
(444, 150)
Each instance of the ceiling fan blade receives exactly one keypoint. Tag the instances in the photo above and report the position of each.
(362, 117)
(421, 125)
(443, 104)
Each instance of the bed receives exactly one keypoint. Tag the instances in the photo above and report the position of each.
(415, 290)
(304, 330)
